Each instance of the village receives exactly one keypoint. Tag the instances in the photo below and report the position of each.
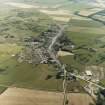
(37, 48)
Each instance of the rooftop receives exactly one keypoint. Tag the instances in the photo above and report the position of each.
(89, 73)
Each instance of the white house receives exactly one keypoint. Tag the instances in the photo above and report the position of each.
(88, 73)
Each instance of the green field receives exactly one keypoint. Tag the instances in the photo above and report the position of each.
(62, 4)
(45, 2)
(13, 73)
(20, 23)
(17, 24)
(86, 39)
(85, 23)
(28, 76)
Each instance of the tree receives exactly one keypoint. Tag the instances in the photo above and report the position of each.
(101, 97)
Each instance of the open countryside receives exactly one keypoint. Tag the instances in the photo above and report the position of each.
(52, 52)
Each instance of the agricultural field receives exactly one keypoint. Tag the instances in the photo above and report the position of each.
(13, 96)
(27, 24)
(16, 74)
(21, 23)
(88, 37)
(16, 25)
(13, 73)
(72, 5)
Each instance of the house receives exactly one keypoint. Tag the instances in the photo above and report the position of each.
(88, 73)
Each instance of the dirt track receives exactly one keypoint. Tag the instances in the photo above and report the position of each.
(17, 96)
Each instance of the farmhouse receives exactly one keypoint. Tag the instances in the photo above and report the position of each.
(88, 73)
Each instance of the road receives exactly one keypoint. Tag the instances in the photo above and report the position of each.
(52, 54)
(59, 34)
(77, 76)
(54, 40)
(92, 16)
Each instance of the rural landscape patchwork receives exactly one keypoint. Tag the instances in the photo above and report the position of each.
(52, 52)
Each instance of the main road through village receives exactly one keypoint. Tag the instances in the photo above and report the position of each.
(51, 52)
